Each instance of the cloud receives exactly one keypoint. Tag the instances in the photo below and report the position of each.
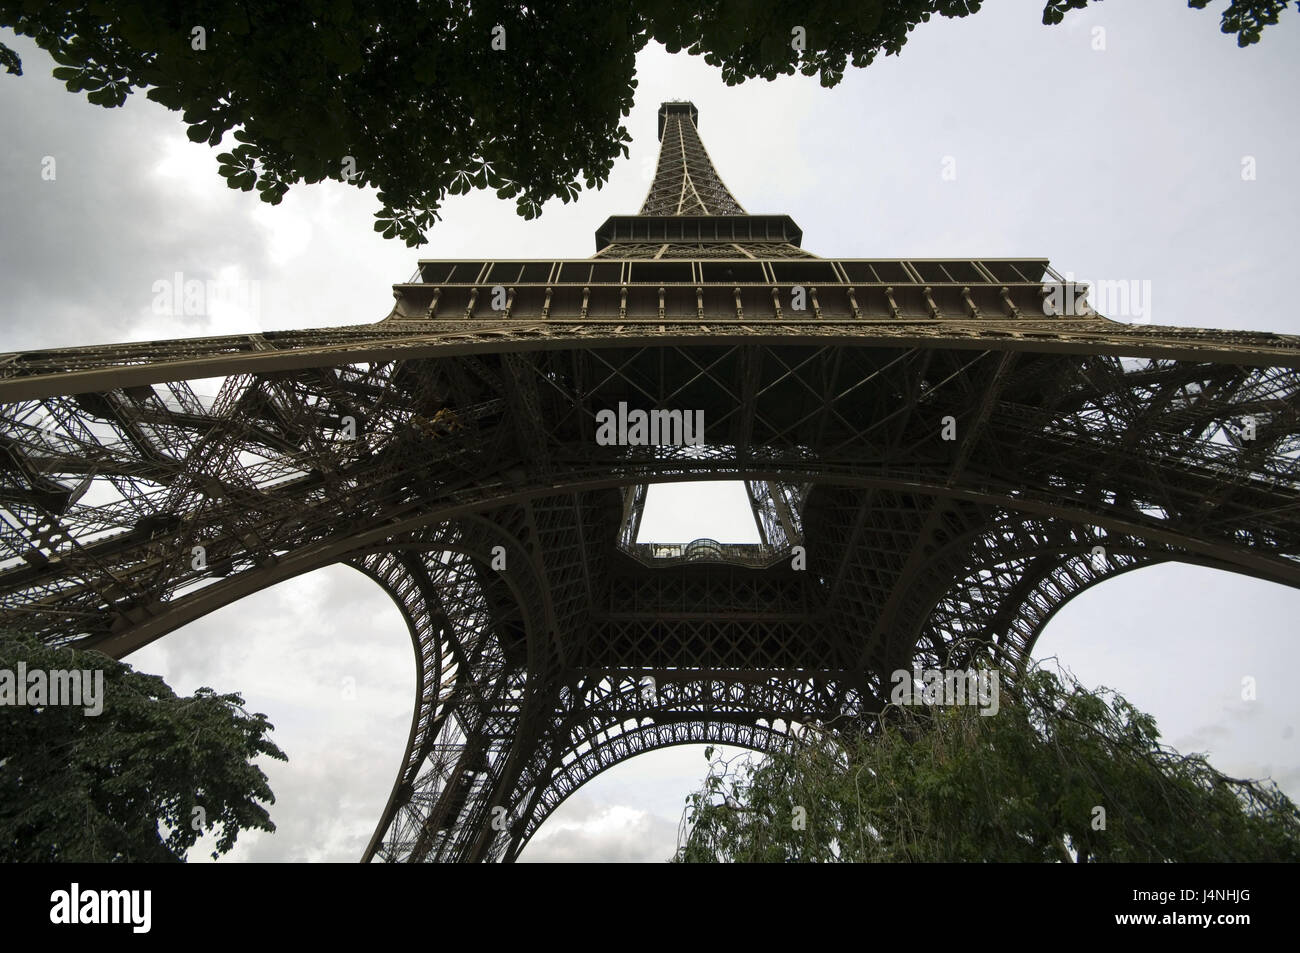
(602, 833)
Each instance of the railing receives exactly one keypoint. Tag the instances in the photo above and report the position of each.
(762, 290)
(751, 555)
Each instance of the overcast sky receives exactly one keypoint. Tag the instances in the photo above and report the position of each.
(1116, 163)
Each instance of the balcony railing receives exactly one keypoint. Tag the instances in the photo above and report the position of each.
(752, 555)
(788, 290)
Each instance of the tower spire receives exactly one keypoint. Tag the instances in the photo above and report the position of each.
(686, 183)
(689, 212)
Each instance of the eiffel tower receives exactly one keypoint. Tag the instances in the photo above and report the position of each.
(935, 451)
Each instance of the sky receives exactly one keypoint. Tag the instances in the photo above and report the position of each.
(1113, 144)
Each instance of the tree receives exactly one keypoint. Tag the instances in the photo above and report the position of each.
(79, 786)
(436, 98)
(1059, 773)
(1245, 19)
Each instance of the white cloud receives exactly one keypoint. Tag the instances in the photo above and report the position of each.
(609, 833)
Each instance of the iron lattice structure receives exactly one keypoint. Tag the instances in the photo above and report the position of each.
(458, 435)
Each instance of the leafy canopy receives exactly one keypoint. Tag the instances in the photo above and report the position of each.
(420, 100)
(929, 783)
(76, 787)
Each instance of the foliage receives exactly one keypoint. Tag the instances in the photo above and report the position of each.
(930, 783)
(1245, 19)
(93, 788)
(420, 100)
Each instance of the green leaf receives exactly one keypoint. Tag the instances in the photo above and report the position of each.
(10, 61)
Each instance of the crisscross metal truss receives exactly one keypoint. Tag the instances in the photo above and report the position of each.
(686, 183)
(471, 487)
